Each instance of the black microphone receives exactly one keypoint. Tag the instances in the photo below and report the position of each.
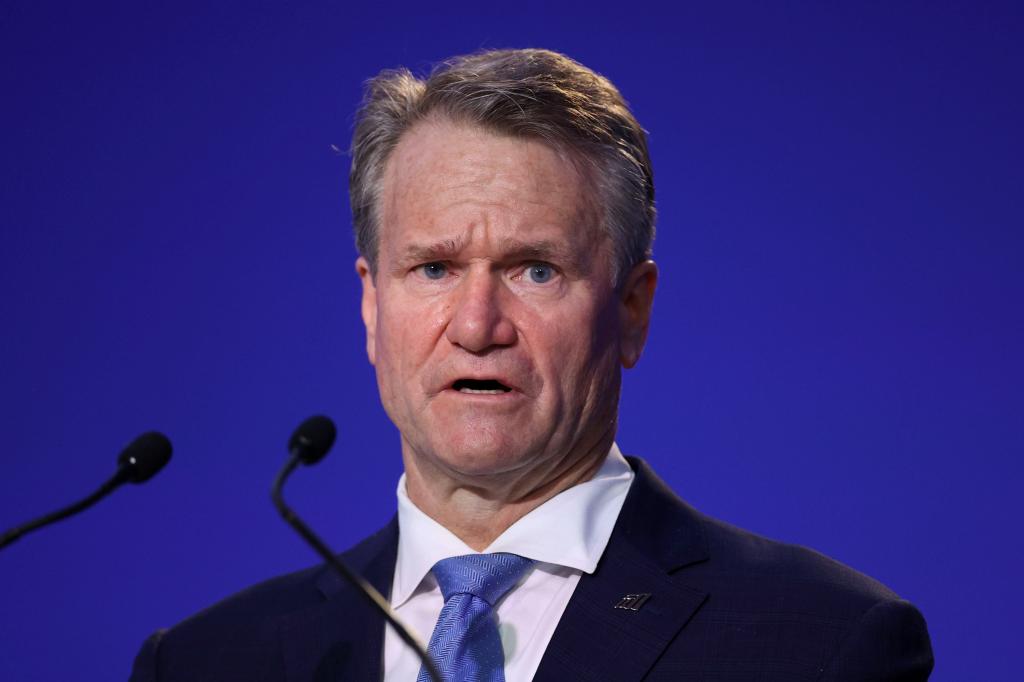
(308, 445)
(137, 463)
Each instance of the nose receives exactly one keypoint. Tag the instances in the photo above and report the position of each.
(479, 314)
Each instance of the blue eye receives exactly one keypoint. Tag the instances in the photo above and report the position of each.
(540, 273)
(434, 270)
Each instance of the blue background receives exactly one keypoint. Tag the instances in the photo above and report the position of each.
(835, 358)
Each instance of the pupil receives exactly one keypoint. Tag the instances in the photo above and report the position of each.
(540, 273)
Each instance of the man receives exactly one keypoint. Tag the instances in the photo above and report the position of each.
(504, 213)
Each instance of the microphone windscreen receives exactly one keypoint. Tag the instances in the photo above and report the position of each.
(313, 439)
(145, 456)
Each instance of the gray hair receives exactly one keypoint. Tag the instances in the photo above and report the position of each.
(523, 93)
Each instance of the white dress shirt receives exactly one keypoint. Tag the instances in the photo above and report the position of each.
(565, 536)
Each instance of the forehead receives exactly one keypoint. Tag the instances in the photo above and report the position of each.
(445, 178)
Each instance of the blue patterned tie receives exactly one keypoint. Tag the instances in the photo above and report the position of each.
(465, 643)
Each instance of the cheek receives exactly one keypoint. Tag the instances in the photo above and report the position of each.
(406, 338)
(597, 355)
(394, 377)
(392, 329)
(579, 353)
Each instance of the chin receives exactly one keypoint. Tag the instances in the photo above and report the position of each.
(480, 455)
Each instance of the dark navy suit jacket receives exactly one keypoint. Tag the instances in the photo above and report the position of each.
(724, 605)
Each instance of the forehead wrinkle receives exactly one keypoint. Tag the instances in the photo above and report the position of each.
(506, 193)
(516, 196)
(517, 181)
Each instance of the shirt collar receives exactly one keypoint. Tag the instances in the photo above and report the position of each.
(571, 529)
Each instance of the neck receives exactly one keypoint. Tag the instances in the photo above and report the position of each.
(477, 509)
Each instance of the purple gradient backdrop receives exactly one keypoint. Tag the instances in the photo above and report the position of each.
(835, 358)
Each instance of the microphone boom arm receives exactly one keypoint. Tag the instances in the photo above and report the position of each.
(368, 590)
(14, 533)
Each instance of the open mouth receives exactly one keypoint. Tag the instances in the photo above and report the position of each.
(480, 386)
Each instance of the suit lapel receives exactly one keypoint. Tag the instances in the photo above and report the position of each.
(656, 534)
(342, 638)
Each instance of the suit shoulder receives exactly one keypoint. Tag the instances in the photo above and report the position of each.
(718, 554)
(775, 568)
(236, 638)
(771, 604)
(246, 625)
(271, 597)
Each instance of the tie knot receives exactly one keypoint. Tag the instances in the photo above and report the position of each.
(486, 576)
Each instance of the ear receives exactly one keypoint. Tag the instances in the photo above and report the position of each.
(635, 301)
(369, 307)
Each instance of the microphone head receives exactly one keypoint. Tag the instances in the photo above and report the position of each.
(313, 439)
(145, 456)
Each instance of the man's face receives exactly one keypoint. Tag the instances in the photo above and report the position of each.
(492, 319)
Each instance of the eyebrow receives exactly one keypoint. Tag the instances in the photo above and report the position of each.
(445, 249)
(510, 248)
(544, 250)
